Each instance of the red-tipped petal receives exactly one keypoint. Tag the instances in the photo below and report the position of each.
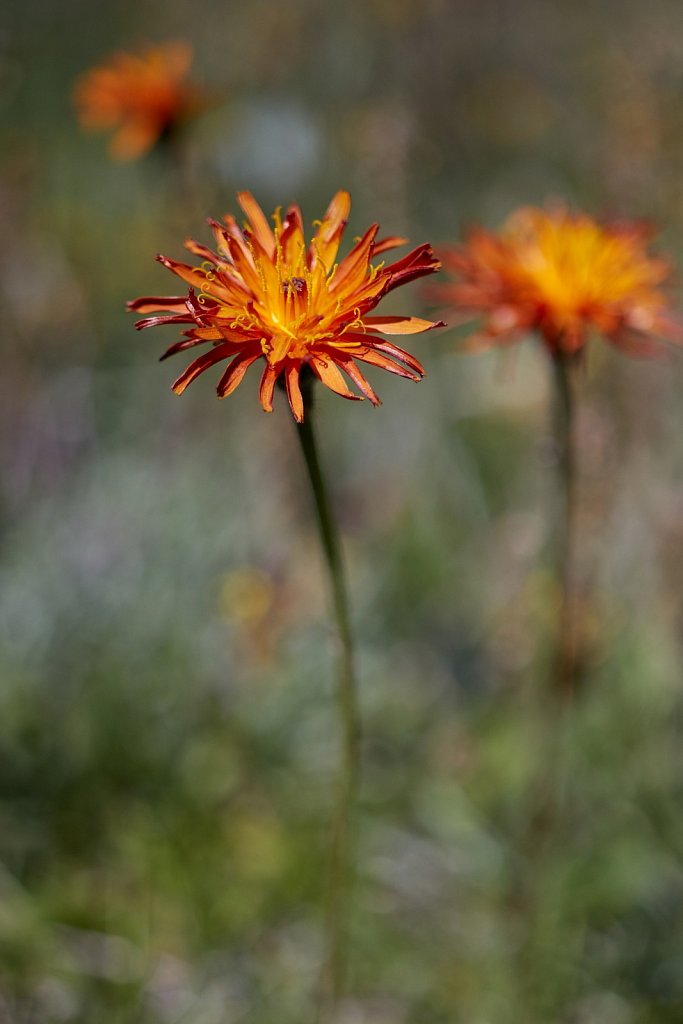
(330, 376)
(416, 264)
(156, 321)
(325, 244)
(234, 374)
(384, 244)
(203, 251)
(349, 367)
(267, 387)
(199, 365)
(157, 304)
(401, 324)
(368, 343)
(244, 262)
(296, 401)
(292, 236)
(194, 276)
(370, 355)
(355, 264)
(181, 346)
(400, 353)
(258, 220)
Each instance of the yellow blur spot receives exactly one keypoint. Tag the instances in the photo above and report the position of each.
(246, 595)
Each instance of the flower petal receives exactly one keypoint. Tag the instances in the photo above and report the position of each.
(193, 275)
(296, 401)
(134, 138)
(354, 267)
(384, 244)
(368, 343)
(181, 346)
(292, 236)
(156, 321)
(349, 367)
(203, 251)
(199, 365)
(157, 304)
(325, 243)
(258, 221)
(401, 324)
(235, 373)
(375, 358)
(416, 264)
(327, 372)
(207, 334)
(400, 353)
(267, 387)
(244, 261)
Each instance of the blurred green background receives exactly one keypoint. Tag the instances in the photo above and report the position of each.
(167, 739)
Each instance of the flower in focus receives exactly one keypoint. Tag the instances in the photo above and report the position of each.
(564, 275)
(263, 295)
(142, 96)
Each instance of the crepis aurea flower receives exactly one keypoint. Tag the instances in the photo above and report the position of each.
(565, 276)
(264, 296)
(143, 97)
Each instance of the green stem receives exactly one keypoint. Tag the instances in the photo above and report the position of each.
(546, 818)
(341, 854)
(568, 648)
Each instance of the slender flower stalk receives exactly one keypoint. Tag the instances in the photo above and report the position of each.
(562, 277)
(340, 880)
(570, 645)
(547, 803)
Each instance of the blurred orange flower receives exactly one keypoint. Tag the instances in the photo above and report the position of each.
(264, 295)
(143, 96)
(564, 275)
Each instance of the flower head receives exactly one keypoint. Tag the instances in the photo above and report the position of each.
(564, 275)
(142, 96)
(265, 296)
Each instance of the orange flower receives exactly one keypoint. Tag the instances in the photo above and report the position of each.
(264, 295)
(564, 275)
(142, 96)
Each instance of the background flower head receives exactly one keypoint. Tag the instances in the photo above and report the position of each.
(141, 96)
(264, 295)
(564, 275)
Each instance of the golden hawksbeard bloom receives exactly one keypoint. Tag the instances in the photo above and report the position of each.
(264, 295)
(565, 276)
(143, 96)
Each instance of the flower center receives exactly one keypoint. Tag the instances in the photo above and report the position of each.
(294, 285)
